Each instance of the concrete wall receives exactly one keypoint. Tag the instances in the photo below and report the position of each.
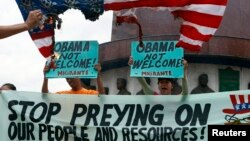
(194, 70)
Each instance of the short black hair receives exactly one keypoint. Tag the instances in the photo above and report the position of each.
(85, 81)
(168, 79)
(11, 86)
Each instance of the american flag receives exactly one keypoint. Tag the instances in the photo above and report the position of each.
(201, 18)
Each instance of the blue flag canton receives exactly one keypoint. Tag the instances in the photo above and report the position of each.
(91, 9)
(242, 106)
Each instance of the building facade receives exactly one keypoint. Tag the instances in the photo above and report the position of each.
(225, 58)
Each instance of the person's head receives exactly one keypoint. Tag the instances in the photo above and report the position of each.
(74, 83)
(8, 86)
(165, 85)
(203, 80)
(85, 83)
(121, 83)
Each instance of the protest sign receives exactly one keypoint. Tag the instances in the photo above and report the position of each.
(36, 116)
(157, 59)
(74, 59)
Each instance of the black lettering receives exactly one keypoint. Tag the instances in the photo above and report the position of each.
(141, 115)
(172, 62)
(50, 132)
(54, 108)
(155, 47)
(59, 133)
(171, 47)
(98, 134)
(43, 114)
(105, 115)
(93, 111)
(105, 133)
(76, 112)
(140, 49)
(176, 138)
(12, 130)
(67, 130)
(25, 105)
(184, 134)
(151, 131)
(78, 46)
(30, 129)
(163, 47)
(84, 135)
(120, 113)
(130, 114)
(125, 134)
(156, 119)
(137, 64)
(148, 57)
(86, 47)
(64, 46)
(148, 47)
(57, 47)
(64, 56)
(134, 133)
(85, 63)
(157, 63)
(145, 64)
(192, 132)
(12, 116)
(42, 128)
(179, 112)
(161, 55)
(201, 116)
(142, 133)
(21, 130)
(168, 132)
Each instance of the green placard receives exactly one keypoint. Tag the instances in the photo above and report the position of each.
(229, 80)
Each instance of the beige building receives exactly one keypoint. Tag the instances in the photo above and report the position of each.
(225, 58)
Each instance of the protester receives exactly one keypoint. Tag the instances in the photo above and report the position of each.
(32, 21)
(76, 85)
(165, 85)
(8, 86)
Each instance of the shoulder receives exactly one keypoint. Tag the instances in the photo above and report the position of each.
(64, 92)
(86, 91)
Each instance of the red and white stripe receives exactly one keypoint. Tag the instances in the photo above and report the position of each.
(44, 41)
(239, 99)
(201, 18)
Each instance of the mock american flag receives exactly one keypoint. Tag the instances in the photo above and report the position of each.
(201, 18)
(240, 103)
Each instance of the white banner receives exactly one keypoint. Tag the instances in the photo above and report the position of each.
(48, 117)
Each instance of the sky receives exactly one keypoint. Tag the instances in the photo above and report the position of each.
(20, 61)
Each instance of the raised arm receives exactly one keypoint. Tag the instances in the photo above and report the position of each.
(184, 80)
(45, 88)
(100, 86)
(145, 87)
(32, 21)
